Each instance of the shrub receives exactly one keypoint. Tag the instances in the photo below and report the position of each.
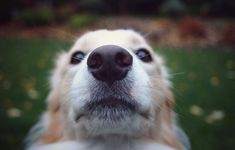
(80, 21)
(173, 8)
(229, 35)
(37, 16)
(192, 27)
(62, 13)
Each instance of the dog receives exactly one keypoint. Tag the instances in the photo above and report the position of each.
(111, 91)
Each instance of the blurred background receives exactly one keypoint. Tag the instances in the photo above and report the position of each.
(196, 37)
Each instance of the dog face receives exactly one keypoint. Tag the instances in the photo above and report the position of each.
(110, 83)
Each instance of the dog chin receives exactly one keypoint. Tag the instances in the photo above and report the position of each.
(114, 112)
(110, 109)
(110, 121)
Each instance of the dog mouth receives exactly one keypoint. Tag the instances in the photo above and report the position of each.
(111, 103)
(111, 108)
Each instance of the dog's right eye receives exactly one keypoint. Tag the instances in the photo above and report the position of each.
(77, 57)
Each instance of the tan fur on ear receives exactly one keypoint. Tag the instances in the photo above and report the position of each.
(55, 81)
(53, 132)
(168, 134)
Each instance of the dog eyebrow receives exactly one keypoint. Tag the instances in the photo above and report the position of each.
(79, 50)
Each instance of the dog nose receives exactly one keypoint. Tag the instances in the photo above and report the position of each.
(109, 63)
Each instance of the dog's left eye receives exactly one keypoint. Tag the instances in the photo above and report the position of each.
(77, 57)
(144, 55)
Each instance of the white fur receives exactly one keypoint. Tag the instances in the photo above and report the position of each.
(73, 145)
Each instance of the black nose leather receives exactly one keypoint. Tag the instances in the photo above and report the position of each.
(109, 63)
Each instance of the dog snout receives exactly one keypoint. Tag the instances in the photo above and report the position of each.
(109, 63)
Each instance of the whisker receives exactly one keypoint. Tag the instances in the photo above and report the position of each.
(147, 34)
(177, 73)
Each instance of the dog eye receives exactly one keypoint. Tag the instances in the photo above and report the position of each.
(144, 55)
(77, 57)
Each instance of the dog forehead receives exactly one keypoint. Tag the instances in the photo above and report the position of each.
(125, 38)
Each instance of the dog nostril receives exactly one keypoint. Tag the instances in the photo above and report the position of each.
(109, 63)
(123, 59)
(95, 61)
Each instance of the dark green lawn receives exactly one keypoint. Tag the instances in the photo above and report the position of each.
(204, 86)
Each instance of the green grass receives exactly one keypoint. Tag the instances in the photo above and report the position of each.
(202, 78)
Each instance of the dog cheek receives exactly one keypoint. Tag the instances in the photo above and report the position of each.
(80, 89)
(140, 90)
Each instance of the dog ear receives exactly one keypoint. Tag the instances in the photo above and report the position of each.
(168, 126)
(55, 81)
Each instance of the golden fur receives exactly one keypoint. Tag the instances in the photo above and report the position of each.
(162, 128)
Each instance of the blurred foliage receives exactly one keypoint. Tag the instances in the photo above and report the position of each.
(218, 8)
(80, 21)
(229, 35)
(37, 16)
(173, 8)
(64, 12)
(192, 27)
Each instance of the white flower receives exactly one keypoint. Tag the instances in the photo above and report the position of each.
(215, 116)
(196, 110)
(14, 112)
